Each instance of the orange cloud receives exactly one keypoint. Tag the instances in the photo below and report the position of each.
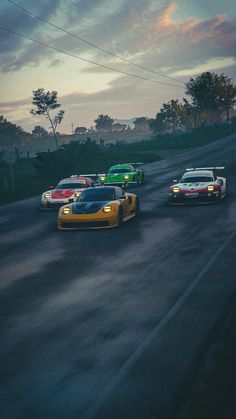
(163, 24)
(198, 31)
(165, 20)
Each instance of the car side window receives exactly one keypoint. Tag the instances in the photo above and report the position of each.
(119, 193)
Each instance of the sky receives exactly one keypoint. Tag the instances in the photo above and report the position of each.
(176, 38)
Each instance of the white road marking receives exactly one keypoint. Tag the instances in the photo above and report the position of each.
(136, 355)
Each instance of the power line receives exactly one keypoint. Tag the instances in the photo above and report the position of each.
(86, 60)
(29, 12)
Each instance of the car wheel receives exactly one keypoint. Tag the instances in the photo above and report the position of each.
(120, 217)
(137, 207)
(226, 190)
(219, 197)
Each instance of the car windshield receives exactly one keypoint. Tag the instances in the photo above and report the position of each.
(72, 185)
(196, 179)
(124, 170)
(97, 194)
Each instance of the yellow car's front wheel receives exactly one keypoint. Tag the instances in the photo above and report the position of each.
(120, 216)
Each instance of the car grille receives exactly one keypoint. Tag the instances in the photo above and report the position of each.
(81, 208)
(55, 204)
(90, 224)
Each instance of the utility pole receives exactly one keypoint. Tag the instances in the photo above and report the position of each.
(12, 174)
(72, 128)
(10, 158)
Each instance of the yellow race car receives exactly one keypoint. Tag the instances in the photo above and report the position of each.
(101, 207)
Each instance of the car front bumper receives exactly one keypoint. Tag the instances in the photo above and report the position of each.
(190, 198)
(86, 221)
(54, 205)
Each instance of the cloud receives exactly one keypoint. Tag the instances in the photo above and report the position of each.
(16, 51)
(10, 106)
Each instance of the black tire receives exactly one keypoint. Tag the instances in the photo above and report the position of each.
(120, 216)
(226, 190)
(219, 199)
(137, 207)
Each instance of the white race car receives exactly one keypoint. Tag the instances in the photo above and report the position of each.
(67, 190)
(199, 185)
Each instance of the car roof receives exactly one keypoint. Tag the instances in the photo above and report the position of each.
(73, 179)
(196, 173)
(121, 165)
(102, 188)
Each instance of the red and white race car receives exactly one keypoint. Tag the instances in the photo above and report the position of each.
(199, 185)
(67, 190)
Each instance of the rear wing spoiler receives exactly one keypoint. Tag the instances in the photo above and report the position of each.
(135, 163)
(192, 169)
(90, 175)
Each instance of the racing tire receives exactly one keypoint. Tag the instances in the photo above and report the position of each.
(219, 199)
(120, 216)
(137, 207)
(226, 190)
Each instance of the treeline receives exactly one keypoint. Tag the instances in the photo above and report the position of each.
(211, 100)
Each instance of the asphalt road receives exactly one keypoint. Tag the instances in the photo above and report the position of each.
(114, 324)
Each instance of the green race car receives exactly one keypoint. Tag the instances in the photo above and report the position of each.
(123, 175)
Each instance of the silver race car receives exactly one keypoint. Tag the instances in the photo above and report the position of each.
(200, 184)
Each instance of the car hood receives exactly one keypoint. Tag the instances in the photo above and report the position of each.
(63, 193)
(117, 176)
(88, 207)
(196, 186)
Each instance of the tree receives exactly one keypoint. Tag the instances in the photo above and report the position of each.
(190, 115)
(212, 93)
(80, 130)
(119, 127)
(46, 103)
(104, 123)
(226, 94)
(171, 117)
(157, 125)
(7, 128)
(141, 123)
(39, 131)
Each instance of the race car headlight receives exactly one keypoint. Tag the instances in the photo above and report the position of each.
(102, 178)
(210, 188)
(47, 195)
(175, 189)
(126, 177)
(77, 194)
(66, 210)
(107, 208)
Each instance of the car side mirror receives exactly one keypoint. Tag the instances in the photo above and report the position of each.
(51, 187)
